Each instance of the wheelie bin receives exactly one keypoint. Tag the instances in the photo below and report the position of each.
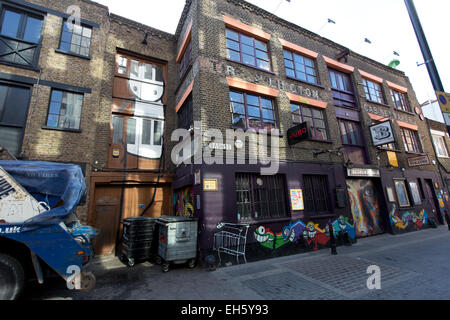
(177, 241)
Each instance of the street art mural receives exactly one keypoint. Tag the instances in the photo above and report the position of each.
(308, 236)
(407, 221)
(365, 207)
(269, 239)
(183, 202)
(137, 111)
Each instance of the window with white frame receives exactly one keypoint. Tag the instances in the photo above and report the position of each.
(439, 143)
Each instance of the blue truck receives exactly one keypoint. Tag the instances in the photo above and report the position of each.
(39, 232)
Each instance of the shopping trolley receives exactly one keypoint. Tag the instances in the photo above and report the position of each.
(232, 239)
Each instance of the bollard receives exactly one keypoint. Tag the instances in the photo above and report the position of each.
(332, 240)
(447, 218)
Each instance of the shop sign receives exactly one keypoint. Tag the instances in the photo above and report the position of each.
(392, 156)
(297, 199)
(210, 185)
(299, 133)
(418, 161)
(363, 172)
(220, 146)
(382, 133)
(388, 113)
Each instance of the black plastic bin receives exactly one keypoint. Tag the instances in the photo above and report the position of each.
(139, 242)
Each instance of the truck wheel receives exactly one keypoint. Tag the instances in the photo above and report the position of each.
(87, 281)
(12, 278)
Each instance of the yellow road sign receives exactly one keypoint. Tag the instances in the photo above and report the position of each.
(444, 101)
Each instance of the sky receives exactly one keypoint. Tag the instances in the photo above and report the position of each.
(385, 23)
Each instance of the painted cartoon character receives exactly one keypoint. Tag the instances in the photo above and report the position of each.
(421, 220)
(396, 220)
(314, 235)
(294, 231)
(342, 226)
(269, 239)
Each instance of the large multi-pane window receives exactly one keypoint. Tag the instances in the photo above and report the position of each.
(64, 111)
(252, 111)
(260, 197)
(315, 117)
(76, 39)
(342, 89)
(352, 141)
(300, 67)
(315, 193)
(246, 49)
(185, 114)
(185, 61)
(439, 143)
(20, 36)
(373, 91)
(411, 140)
(400, 101)
(14, 102)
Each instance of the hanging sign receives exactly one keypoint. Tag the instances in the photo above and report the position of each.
(392, 156)
(299, 133)
(297, 199)
(382, 133)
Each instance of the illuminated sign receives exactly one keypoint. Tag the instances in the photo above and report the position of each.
(299, 133)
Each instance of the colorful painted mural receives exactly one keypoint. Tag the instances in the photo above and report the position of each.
(365, 207)
(407, 221)
(269, 239)
(309, 236)
(183, 202)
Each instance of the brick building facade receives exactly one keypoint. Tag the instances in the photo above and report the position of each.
(109, 94)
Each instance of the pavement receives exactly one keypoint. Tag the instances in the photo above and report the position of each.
(412, 266)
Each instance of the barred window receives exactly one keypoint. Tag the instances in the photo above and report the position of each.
(260, 197)
(315, 193)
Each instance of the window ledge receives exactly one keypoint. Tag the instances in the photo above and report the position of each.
(322, 141)
(21, 66)
(259, 221)
(407, 112)
(61, 129)
(73, 54)
(250, 66)
(258, 131)
(306, 82)
(393, 150)
(378, 103)
(416, 153)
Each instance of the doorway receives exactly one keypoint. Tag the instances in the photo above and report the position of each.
(432, 199)
(365, 207)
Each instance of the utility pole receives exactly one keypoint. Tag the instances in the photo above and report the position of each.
(432, 70)
(426, 52)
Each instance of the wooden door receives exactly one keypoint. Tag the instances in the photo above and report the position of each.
(106, 219)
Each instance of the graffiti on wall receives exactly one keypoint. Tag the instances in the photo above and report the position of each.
(183, 202)
(365, 207)
(309, 236)
(407, 221)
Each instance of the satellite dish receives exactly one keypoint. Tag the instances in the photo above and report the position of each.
(394, 63)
